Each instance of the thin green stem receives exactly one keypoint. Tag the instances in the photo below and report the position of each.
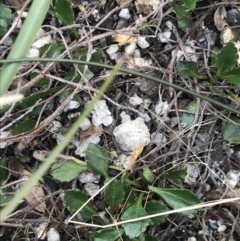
(24, 41)
(128, 71)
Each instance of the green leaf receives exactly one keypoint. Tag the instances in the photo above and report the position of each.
(187, 69)
(98, 159)
(75, 199)
(213, 55)
(109, 234)
(5, 19)
(3, 164)
(74, 76)
(190, 4)
(177, 198)
(6, 14)
(51, 50)
(232, 76)
(114, 193)
(25, 126)
(4, 199)
(136, 228)
(154, 207)
(177, 175)
(187, 119)
(179, 10)
(96, 56)
(64, 12)
(231, 132)
(184, 22)
(150, 238)
(66, 171)
(227, 58)
(148, 175)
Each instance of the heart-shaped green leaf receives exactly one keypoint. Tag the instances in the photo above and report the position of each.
(66, 171)
(176, 175)
(25, 126)
(232, 76)
(114, 193)
(231, 131)
(64, 12)
(98, 159)
(109, 234)
(187, 69)
(226, 59)
(75, 199)
(179, 10)
(135, 229)
(190, 4)
(154, 207)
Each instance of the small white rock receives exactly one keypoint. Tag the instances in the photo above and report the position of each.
(222, 228)
(85, 124)
(192, 173)
(124, 13)
(161, 107)
(142, 42)
(164, 37)
(42, 40)
(41, 230)
(2, 135)
(158, 139)
(101, 114)
(123, 161)
(112, 49)
(81, 150)
(232, 178)
(33, 53)
(131, 134)
(192, 239)
(53, 235)
(91, 189)
(73, 104)
(87, 176)
(135, 100)
(95, 14)
(23, 14)
(174, 121)
(125, 117)
(8, 41)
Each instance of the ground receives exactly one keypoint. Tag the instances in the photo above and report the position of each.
(141, 124)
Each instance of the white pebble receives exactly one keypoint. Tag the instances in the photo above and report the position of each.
(87, 176)
(91, 189)
(135, 100)
(53, 235)
(164, 37)
(125, 117)
(158, 139)
(85, 124)
(124, 13)
(142, 42)
(222, 228)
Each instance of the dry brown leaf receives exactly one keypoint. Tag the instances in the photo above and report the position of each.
(123, 39)
(36, 193)
(92, 130)
(135, 154)
(219, 18)
(83, 10)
